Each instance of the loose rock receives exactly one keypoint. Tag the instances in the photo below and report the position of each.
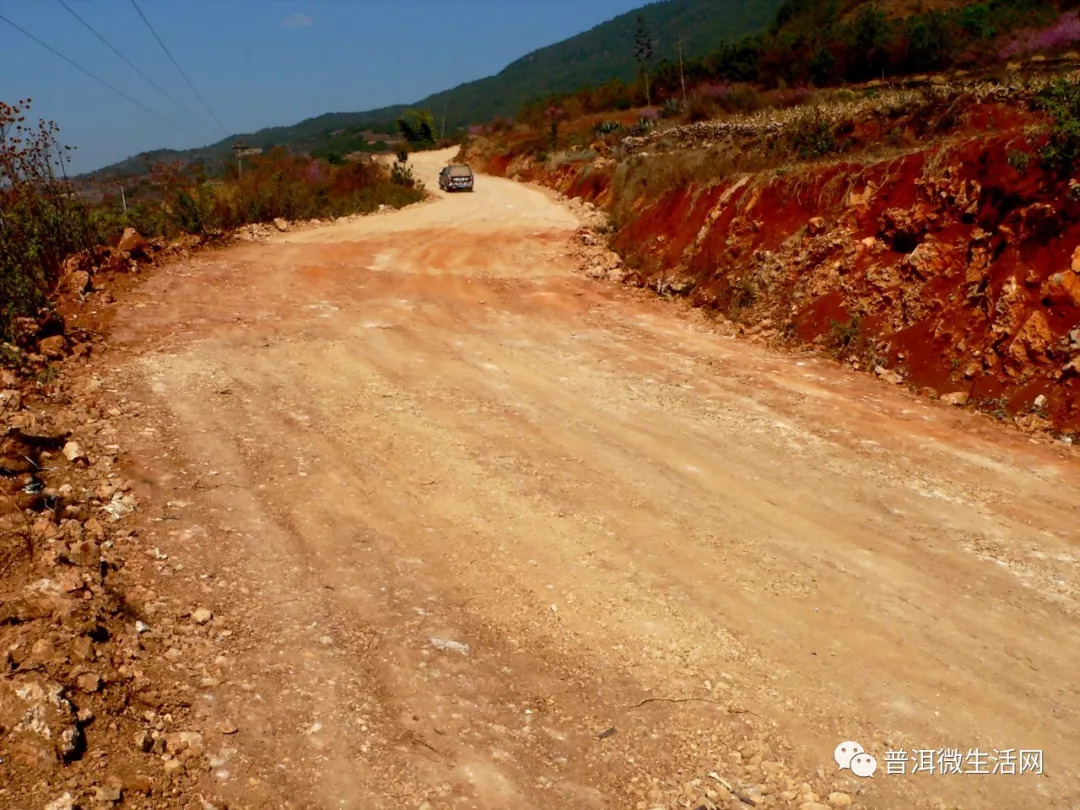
(89, 682)
(107, 795)
(131, 241)
(144, 741)
(65, 802)
(54, 347)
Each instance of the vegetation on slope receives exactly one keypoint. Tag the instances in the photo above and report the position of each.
(43, 220)
(330, 134)
(821, 44)
(604, 53)
(40, 222)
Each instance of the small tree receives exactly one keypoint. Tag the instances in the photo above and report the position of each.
(927, 41)
(418, 128)
(870, 35)
(42, 218)
(643, 53)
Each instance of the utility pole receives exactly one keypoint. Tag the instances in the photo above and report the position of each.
(682, 76)
(442, 130)
(123, 198)
(239, 149)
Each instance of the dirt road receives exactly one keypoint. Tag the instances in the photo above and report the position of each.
(487, 533)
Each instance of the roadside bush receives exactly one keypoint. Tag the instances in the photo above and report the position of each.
(42, 219)
(700, 108)
(744, 294)
(1061, 100)
(793, 97)
(670, 108)
(276, 184)
(402, 175)
(844, 337)
(813, 137)
(191, 205)
(743, 98)
(1019, 160)
(280, 184)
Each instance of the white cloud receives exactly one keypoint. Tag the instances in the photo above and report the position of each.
(298, 21)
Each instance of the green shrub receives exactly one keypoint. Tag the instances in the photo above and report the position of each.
(813, 137)
(402, 175)
(670, 108)
(844, 336)
(1061, 100)
(928, 41)
(700, 108)
(744, 98)
(869, 39)
(42, 218)
(743, 296)
(1019, 160)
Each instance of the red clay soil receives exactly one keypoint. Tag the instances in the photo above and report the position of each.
(948, 266)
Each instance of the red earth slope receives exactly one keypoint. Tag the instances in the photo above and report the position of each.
(954, 266)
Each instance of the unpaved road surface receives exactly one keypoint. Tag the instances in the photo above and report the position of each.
(491, 534)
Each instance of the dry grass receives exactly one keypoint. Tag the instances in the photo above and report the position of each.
(785, 140)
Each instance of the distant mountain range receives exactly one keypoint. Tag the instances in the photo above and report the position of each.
(603, 53)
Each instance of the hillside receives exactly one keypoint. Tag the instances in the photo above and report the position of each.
(304, 136)
(603, 53)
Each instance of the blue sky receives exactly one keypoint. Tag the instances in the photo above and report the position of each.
(260, 63)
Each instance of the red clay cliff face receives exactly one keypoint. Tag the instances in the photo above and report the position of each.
(947, 269)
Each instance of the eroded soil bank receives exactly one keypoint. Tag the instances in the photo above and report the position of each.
(951, 265)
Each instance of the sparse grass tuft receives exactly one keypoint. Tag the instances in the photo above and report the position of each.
(843, 337)
(1019, 160)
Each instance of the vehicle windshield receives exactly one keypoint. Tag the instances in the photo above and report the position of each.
(460, 171)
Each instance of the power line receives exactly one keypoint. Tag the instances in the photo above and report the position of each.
(177, 64)
(129, 63)
(96, 78)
